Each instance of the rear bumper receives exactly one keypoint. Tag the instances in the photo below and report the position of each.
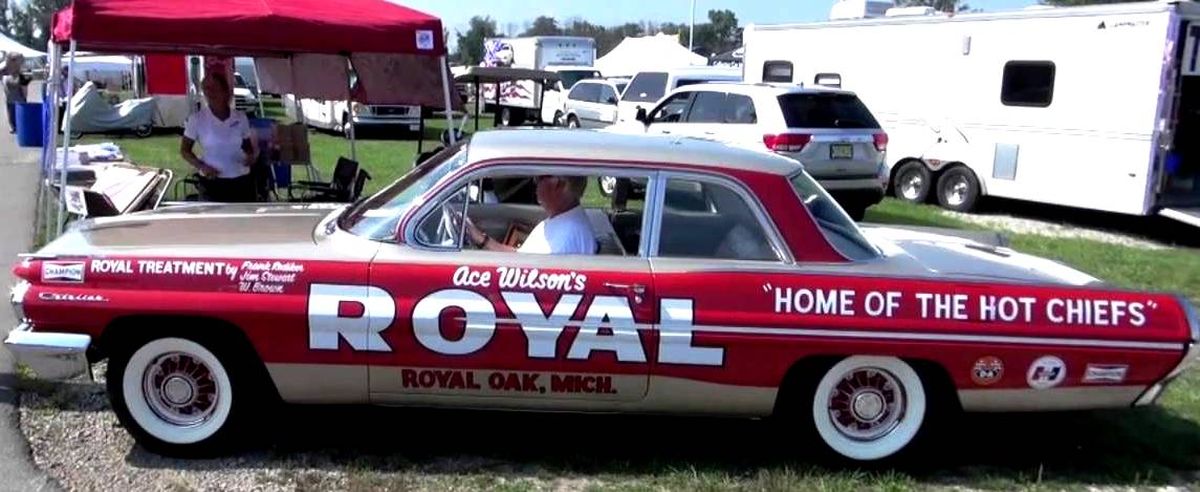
(54, 356)
(868, 191)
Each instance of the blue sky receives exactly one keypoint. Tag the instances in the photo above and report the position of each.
(456, 13)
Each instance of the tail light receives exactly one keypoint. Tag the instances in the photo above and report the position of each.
(881, 141)
(786, 142)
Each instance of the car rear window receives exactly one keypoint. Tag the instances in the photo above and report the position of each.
(826, 110)
(646, 87)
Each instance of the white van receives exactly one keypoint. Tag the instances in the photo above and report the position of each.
(647, 88)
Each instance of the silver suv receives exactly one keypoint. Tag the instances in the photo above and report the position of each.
(592, 103)
(831, 132)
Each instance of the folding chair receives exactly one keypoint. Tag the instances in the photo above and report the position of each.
(338, 189)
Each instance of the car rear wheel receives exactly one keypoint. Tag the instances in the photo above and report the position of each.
(913, 182)
(867, 408)
(958, 189)
(177, 396)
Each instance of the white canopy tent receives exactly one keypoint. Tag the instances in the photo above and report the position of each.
(634, 55)
(8, 45)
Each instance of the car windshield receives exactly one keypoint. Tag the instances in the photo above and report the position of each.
(377, 217)
(570, 77)
(832, 219)
(826, 110)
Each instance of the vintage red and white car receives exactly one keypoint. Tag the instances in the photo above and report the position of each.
(724, 282)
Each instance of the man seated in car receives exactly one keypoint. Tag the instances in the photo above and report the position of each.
(564, 231)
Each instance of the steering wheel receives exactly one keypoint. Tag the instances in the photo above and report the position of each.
(449, 225)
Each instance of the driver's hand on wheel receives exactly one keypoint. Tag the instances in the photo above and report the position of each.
(477, 236)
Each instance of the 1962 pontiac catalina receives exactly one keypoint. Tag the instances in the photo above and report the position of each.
(732, 286)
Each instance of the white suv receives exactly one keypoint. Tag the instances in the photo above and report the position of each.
(592, 103)
(831, 132)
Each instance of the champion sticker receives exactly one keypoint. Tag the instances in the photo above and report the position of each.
(1105, 373)
(63, 272)
(1046, 372)
(987, 371)
(424, 40)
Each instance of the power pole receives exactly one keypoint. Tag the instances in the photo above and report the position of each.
(692, 26)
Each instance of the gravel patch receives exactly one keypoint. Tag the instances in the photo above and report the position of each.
(1022, 225)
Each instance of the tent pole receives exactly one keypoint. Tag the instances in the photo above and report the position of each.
(477, 115)
(350, 129)
(42, 218)
(262, 113)
(442, 67)
(62, 174)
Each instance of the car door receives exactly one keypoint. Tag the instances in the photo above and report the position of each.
(644, 91)
(587, 107)
(711, 255)
(705, 118)
(509, 329)
(739, 125)
(606, 106)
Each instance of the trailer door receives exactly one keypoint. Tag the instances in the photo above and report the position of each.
(1179, 191)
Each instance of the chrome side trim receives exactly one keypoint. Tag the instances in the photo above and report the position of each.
(54, 356)
(942, 337)
(17, 298)
(1029, 399)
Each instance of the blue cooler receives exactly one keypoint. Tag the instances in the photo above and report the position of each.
(29, 124)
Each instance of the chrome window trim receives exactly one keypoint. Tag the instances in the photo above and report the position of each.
(878, 253)
(417, 214)
(782, 253)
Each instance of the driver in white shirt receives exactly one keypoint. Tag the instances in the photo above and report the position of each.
(565, 231)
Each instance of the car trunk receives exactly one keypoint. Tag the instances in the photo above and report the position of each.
(835, 134)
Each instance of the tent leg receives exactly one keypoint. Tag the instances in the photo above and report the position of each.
(477, 115)
(421, 134)
(62, 174)
(446, 92)
(42, 219)
(350, 129)
(262, 113)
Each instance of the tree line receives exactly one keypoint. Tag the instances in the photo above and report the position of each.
(30, 24)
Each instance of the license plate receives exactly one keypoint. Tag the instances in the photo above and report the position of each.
(841, 151)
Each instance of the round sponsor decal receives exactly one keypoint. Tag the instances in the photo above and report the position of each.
(1046, 372)
(987, 370)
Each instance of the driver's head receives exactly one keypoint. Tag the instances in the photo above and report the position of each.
(558, 194)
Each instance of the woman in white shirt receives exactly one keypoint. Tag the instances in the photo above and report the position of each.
(224, 134)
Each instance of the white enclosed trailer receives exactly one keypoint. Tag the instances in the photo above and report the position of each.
(1091, 107)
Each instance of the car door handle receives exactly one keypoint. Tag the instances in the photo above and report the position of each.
(638, 290)
(710, 133)
(665, 132)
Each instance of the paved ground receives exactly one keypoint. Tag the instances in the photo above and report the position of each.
(19, 171)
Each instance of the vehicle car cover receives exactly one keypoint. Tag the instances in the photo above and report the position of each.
(90, 112)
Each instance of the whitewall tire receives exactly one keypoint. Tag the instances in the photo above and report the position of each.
(174, 395)
(868, 408)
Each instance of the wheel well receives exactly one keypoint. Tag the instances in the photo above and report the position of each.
(131, 328)
(939, 386)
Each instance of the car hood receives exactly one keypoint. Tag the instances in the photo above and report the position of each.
(213, 230)
(968, 256)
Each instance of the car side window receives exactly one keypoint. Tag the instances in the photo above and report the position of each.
(673, 109)
(705, 220)
(708, 108)
(589, 93)
(739, 109)
(607, 95)
(646, 87)
(578, 92)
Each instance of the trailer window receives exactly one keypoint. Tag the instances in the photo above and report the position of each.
(828, 80)
(1028, 83)
(777, 71)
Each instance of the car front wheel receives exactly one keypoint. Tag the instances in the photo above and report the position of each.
(867, 407)
(176, 396)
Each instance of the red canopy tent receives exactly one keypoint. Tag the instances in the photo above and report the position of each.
(397, 53)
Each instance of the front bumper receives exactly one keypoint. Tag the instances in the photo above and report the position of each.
(54, 356)
(412, 123)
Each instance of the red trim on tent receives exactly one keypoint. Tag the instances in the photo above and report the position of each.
(260, 27)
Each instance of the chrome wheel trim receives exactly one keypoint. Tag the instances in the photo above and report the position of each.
(180, 389)
(911, 185)
(867, 404)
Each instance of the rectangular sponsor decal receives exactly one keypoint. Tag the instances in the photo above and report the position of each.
(62, 272)
(1105, 373)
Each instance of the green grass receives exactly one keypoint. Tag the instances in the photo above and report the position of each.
(1140, 448)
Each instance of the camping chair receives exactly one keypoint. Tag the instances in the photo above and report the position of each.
(360, 183)
(339, 189)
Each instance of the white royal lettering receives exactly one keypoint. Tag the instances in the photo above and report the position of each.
(541, 330)
(480, 321)
(355, 313)
(623, 341)
(675, 337)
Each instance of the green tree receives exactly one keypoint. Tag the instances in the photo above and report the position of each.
(543, 26)
(470, 43)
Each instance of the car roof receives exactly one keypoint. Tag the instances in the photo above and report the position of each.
(768, 89)
(697, 70)
(579, 146)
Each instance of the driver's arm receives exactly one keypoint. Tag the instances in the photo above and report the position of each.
(482, 241)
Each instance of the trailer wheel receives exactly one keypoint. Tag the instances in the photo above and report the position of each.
(958, 189)
(912, 182)
(511, 117)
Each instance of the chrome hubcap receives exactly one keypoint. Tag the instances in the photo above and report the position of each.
(180, 389)
(867, 404)
(956, 193)
(911, 185)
